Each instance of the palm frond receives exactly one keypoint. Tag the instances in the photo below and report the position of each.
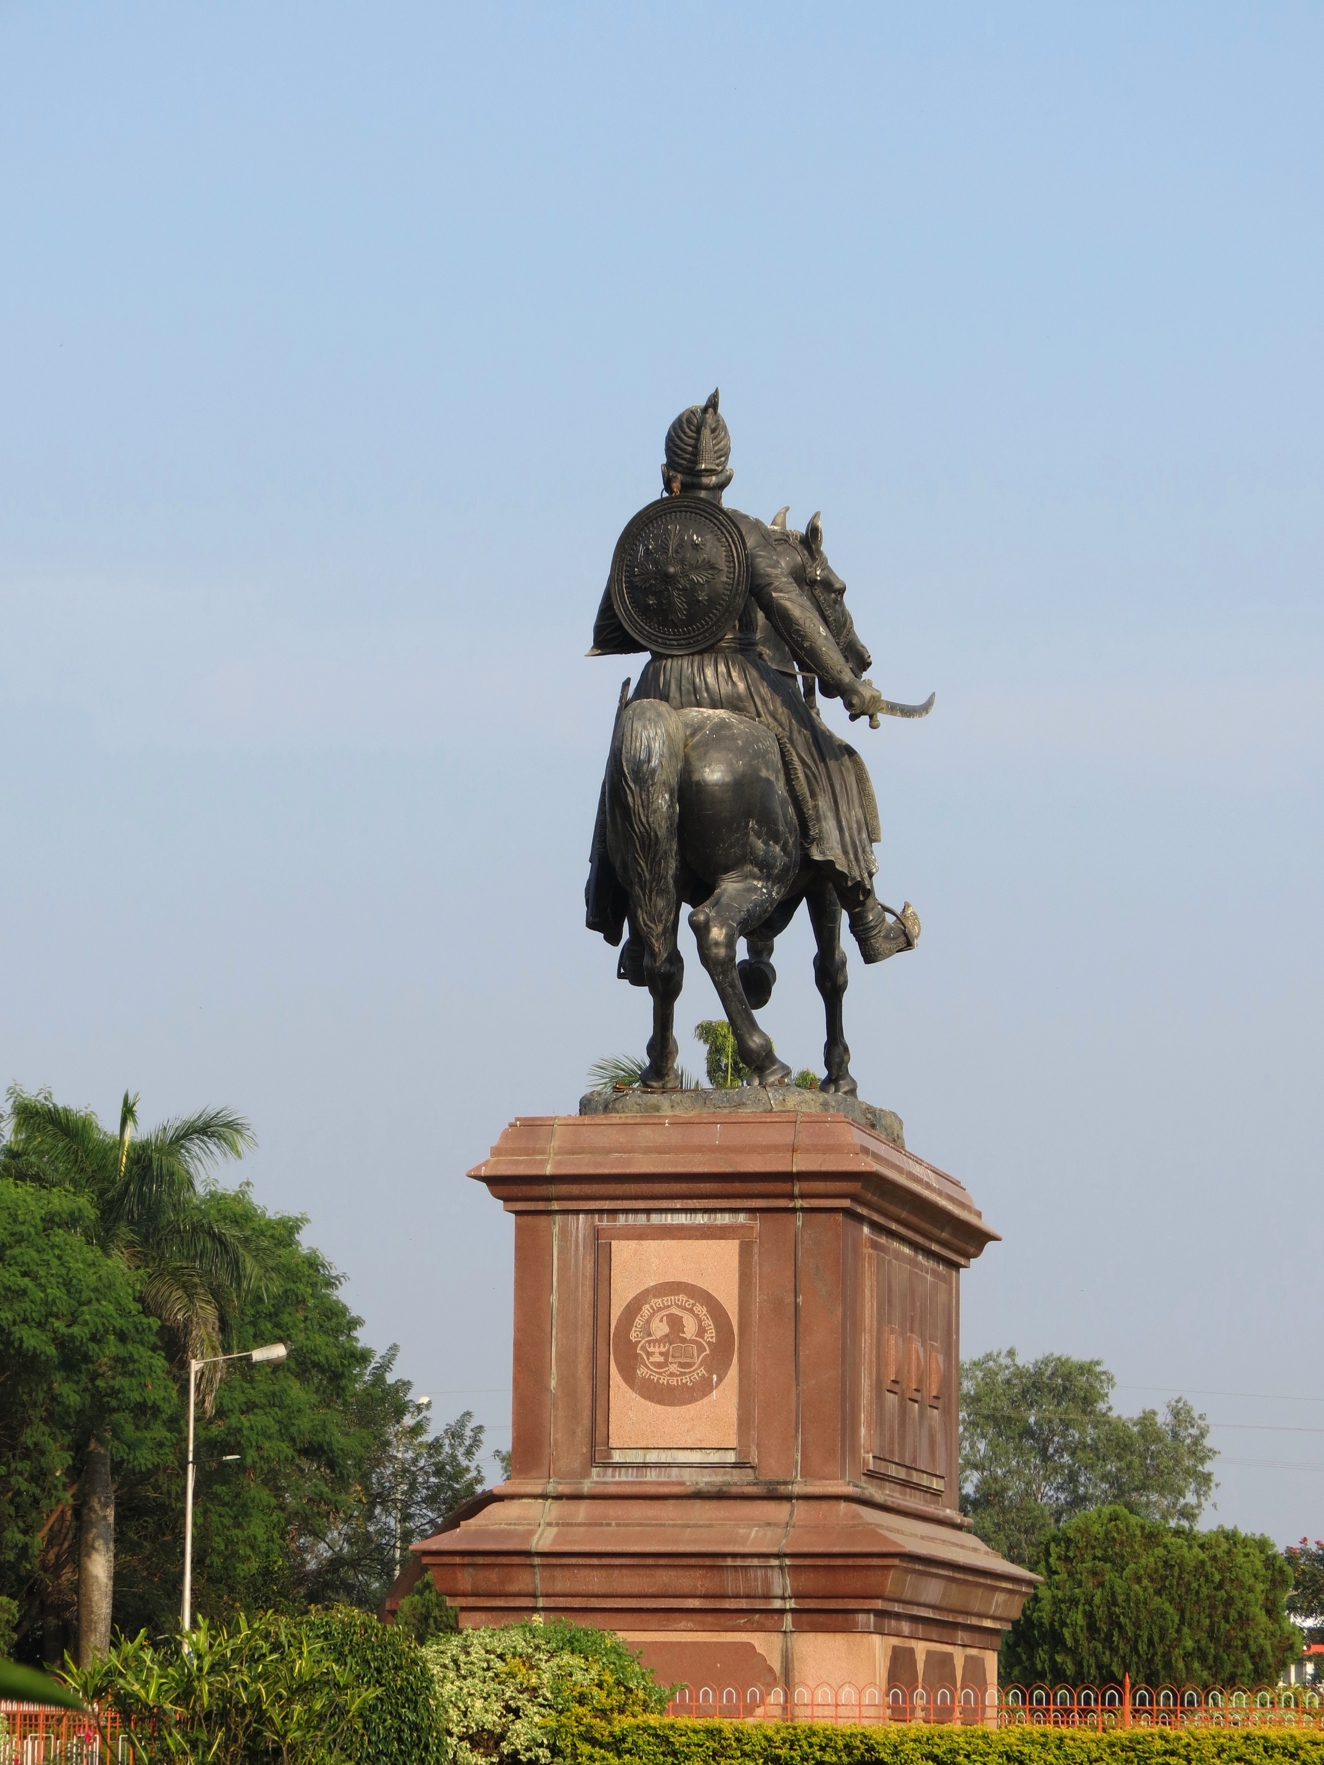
(177, 1296)
(128, 1122)
(163, 1171)
(202, 1139)
(623, 1071)
(70, 1144)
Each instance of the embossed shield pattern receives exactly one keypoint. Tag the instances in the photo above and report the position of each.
(679, 575)
(673, 1343)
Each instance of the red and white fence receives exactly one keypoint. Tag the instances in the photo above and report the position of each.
(35, 1734)
(1054, 1706)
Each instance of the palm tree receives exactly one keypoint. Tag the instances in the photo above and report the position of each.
(191, 1273)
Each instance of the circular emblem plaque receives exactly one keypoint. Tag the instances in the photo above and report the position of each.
(679, 575)
(673, 1343)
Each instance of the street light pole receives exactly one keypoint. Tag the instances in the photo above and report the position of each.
(274, 1351)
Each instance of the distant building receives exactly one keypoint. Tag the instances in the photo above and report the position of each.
(1309, 1670)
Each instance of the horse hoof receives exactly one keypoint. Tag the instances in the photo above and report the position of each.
(776, 1072)
(845, 1086)
(757, 978)
(649, 1081)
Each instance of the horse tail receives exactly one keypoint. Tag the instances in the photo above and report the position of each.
(643, 815)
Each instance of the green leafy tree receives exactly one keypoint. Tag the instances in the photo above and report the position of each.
(143, 1208)
(1305, 1603)
(336, 1471)
(1040, 1444)
(79, 1362)
(1168, 1605)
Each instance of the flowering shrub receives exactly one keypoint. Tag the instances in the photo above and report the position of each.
(518, 1695)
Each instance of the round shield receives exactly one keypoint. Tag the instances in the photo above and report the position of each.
(679, 575)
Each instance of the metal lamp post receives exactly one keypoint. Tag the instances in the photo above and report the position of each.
(274, 1351)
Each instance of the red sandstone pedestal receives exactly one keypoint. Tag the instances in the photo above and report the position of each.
(735, 1405)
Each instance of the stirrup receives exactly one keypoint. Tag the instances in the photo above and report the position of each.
(630, 963)
(879, 937)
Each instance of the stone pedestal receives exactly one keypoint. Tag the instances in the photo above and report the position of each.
(736, 1372)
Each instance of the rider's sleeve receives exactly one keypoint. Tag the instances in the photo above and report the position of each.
(610, 638)
(785, 605)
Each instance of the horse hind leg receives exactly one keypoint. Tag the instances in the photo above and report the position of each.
(830, 979)
(643, 776)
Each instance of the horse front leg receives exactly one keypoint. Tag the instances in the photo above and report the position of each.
(830, 979)
(757, 975)
(718, 925)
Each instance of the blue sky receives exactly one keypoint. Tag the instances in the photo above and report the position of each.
(340, 343)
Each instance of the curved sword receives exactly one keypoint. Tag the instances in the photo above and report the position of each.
(891, 709)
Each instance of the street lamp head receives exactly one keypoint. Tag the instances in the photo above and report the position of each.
(274, 1351)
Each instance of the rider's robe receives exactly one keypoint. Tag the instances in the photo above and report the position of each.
(826, 778)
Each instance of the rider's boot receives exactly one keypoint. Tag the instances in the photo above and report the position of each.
(880, 937)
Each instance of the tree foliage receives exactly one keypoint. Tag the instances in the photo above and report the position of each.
(337, 1470)
(144, 1202)
(1040, 1444)
(118, 1258)
(1305, 1603)
(1168, 1605)
(79, 1359)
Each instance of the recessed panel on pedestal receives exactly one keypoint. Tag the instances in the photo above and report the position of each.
(672, 1327)
(911, 1414)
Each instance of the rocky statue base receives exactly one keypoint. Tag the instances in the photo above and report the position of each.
(736, 1371)
(746, 1099)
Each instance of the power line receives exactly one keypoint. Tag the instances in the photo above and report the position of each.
(1194, 1391)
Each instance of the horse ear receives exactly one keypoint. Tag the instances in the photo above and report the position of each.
(779, 519)
(713, 399)
(814, 533)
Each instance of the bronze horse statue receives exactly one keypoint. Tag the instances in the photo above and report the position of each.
(697, 810)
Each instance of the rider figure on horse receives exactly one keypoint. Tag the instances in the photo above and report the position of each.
(752, 670)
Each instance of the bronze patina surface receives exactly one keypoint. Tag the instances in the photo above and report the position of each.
(725, 790)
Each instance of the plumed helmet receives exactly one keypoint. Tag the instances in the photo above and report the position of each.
(698, 447)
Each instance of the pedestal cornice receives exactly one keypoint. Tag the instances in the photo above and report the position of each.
(731, 1163)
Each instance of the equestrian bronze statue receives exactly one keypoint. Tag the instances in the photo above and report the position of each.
(725, 789)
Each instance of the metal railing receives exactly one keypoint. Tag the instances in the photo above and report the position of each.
(1094, 1707)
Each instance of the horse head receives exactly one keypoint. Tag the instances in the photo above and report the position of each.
(813, 572)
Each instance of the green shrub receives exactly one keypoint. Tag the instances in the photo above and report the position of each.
(425, 1613)
(331, 1688)
(533, 1692)
(678, 1741)
(398, 1721)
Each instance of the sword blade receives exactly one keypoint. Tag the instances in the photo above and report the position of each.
(890, 709)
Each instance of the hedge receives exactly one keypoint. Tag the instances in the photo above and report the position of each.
(682, 1741)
